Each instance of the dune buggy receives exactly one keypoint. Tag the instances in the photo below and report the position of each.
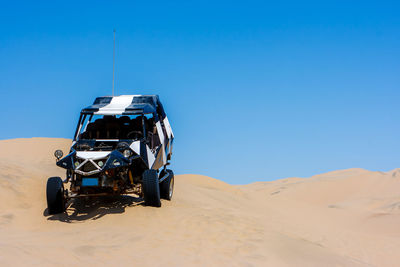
(122, 145)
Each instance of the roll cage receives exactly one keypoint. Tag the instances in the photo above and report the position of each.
(142, 107)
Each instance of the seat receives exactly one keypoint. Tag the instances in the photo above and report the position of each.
(98, 129)
(124, 122)
(90, 132)
(110, 128)
(113, 130)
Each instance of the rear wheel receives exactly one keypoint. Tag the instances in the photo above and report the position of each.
(151, 188)
(55, 195)
(167, 186)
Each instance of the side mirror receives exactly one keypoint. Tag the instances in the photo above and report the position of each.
(58, 154)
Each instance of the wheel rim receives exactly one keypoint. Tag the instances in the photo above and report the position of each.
(171, 188)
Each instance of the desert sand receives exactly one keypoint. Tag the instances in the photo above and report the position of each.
(341, 218)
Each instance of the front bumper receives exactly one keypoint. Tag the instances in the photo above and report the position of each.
(90, 166)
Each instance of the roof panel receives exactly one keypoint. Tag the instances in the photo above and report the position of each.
(124, 104)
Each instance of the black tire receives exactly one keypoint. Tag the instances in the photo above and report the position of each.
(55, 195)
(151, 188)
(167, 186)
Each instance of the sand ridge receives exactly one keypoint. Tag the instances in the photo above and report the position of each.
(342, 218)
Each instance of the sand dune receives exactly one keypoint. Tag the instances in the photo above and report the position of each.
(342, 218)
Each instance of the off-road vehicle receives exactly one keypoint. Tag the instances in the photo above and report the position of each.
(122, 145)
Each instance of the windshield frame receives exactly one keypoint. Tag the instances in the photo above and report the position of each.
(86, 118)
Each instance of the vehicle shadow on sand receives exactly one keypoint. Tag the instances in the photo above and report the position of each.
(94, 208)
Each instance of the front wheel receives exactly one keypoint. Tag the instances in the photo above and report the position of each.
(151, 188)
(55, 195)
(167, 186)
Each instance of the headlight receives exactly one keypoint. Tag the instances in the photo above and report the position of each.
(58, 154)
(127, 153)
(100, 163)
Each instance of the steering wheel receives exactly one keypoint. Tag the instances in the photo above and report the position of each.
(136, 134)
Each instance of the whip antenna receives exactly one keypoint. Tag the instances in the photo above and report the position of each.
(113, 65)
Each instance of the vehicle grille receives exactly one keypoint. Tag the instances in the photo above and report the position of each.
(88, 167)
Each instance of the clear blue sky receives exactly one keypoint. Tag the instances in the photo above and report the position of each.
(254, 90)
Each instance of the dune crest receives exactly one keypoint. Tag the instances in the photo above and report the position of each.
(341, 218)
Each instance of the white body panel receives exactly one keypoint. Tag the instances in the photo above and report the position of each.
(168, 128)
(117, 105)
(92, 154)
(160, 132)
(135, 146)
(150, 157)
